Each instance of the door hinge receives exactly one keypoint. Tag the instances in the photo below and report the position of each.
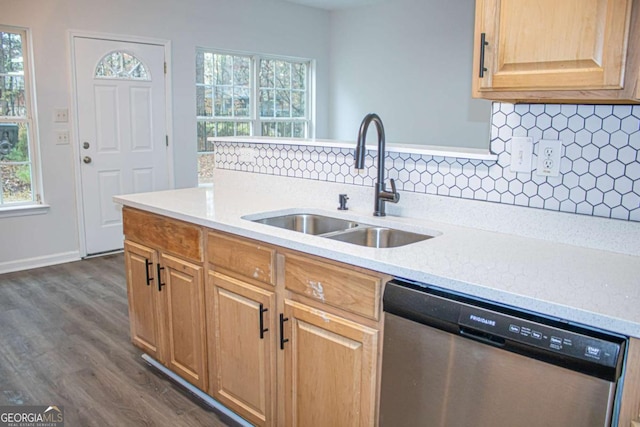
(166, 140)
(165, 68)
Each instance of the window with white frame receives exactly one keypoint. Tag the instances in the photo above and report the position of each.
(251, 95)
(18, 174)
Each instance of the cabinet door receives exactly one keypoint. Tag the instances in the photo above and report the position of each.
(182, 291)
(241, 335)
(330, 369)
(144, 311)
(551, 44)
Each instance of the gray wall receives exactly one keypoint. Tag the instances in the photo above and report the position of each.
(410, 62)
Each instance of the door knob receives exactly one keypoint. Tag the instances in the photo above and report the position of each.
(86, 159)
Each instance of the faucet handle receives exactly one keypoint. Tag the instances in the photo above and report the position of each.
(396, 195)
(343, 202)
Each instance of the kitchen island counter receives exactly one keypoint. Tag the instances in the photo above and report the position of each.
(595, 287)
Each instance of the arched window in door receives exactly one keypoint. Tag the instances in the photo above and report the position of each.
(121, 65)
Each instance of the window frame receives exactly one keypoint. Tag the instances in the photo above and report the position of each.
(255, 120)
(36, 205)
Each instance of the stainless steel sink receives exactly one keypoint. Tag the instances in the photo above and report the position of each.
(379, 237)
(344, 230)
(309, 223)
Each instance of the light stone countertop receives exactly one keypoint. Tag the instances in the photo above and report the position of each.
(578, 283)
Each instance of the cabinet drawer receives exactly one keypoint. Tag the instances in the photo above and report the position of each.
(341, 287)
(165, 234)
(245, 257)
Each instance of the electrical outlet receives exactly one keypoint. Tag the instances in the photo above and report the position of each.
(61, 115)
(62, 137)
(521, 154)
(247, 155)
(549, 157)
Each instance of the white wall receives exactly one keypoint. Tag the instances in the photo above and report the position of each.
(410, 62)
(247, 25)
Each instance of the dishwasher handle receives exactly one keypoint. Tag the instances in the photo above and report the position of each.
(482, 337)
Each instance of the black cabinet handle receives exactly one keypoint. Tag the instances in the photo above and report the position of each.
(262, 328)
(282, 339)
(148, 264)
(160, 284)
(483, 43)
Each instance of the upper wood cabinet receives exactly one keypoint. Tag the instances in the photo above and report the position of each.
(557, 51)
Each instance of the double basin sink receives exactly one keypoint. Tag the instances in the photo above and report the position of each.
(344, 230)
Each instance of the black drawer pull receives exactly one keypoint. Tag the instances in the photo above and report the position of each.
(148, 264)
(483, 43)
(262, 328)
(160, 284)
(282, 339)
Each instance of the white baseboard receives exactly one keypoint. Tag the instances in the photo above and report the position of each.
(41, 261)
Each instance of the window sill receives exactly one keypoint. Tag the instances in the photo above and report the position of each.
(23, 210)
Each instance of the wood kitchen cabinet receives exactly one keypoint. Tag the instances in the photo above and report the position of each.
(557, 51)
(630, 402)
(241, 326)
(331, 369)
(166, 292)
(293, 339)
(331, 337)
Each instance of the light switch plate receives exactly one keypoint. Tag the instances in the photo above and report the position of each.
(521, 153)
(61, 115)
(62, 137)
(549, 157)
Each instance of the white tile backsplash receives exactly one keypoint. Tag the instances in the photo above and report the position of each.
(599, 172)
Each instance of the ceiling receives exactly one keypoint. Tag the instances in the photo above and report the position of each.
(334, 4)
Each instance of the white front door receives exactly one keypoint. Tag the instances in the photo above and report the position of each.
(120, 98)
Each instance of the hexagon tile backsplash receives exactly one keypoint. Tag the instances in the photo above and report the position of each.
(599, 169)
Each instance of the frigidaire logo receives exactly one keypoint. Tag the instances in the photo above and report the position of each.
(31, 416)
(482, 320)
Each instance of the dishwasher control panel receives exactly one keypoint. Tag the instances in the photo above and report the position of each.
(534, 334)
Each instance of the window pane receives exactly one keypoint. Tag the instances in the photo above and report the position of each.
(204, 101)
(14, 142)
(298, 104)
(241, 106)
(284, 129)
(241, 71)
(243, 129)
(204, 68)
(12, 56)
(268, 129)
(299, 76)
(12, 96)
(282, 104)
(299, 130)
(205, 130)
(121, 65)
(266, 73)
(16, 183)
(15, 157)
(223, 101)
(283, 75)
(223, 69)
(266, 103)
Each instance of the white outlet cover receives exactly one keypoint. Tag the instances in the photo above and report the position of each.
(521, 154)
(549, 157)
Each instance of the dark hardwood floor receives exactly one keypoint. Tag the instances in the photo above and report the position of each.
(64, 340)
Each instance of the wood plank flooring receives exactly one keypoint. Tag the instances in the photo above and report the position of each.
(64, 340)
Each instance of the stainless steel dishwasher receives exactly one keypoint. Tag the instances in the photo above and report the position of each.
(453, 361)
